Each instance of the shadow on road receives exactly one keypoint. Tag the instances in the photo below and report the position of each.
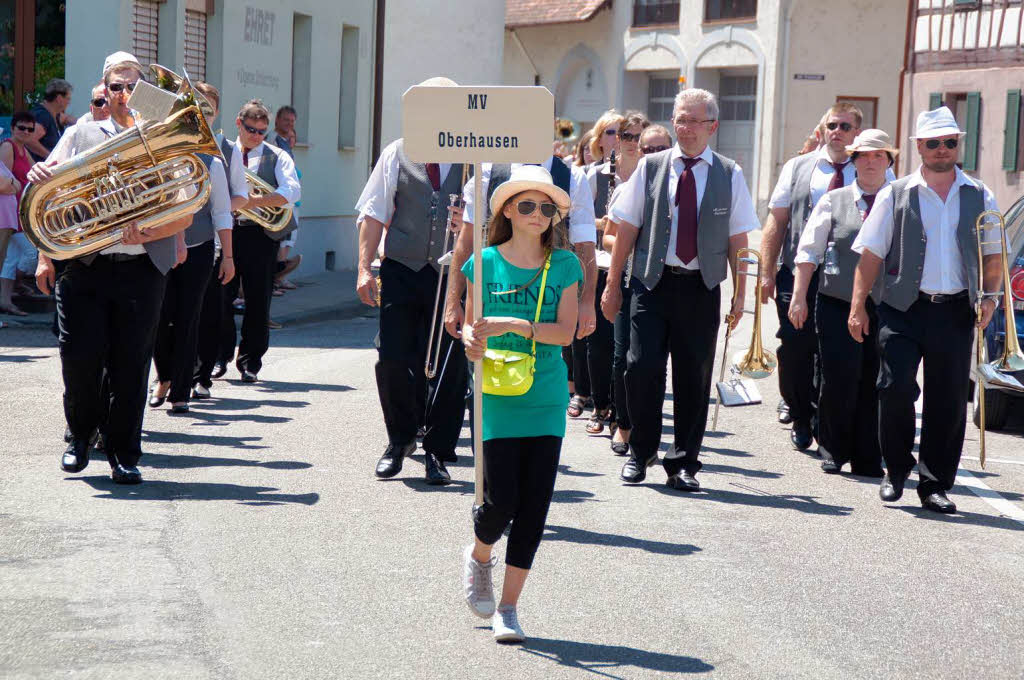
(216, 404)
(265, 386)
(195, 491)
(727, 452)
(201, 440)
(584, 537)
(211, 418)
(18, 358)
(569, 472)
(572, 496)
(456, 485)
(965, 518)
(181, 462)
(806, 504)
(602, 659)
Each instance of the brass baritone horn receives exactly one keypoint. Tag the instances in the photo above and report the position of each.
(135, 176)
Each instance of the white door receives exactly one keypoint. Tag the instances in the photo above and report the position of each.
(737, 100)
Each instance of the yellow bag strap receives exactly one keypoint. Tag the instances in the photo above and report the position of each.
(540, 301)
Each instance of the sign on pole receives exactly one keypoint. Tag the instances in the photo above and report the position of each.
(478, 125)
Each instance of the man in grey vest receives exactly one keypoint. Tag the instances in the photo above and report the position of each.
(848, 398)
(412, 200)
(921, 241)
(108, 305)
(683, 214)
(802, 183)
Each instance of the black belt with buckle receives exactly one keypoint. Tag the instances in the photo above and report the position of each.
(681, 271)
(940, 298)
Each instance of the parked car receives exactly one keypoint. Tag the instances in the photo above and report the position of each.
(1001, 402)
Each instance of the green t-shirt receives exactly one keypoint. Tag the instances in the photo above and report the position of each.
(541, 411)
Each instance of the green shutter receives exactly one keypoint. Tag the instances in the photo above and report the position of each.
(1011, 133)
(971, 141)
(934, 100)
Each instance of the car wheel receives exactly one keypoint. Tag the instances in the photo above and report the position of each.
(997, 407)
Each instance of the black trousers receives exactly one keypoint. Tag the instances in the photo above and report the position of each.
(848, 399)
(679, 316)
(174, 353)
(406, 397)
(600, 346)
(255, 261)
(797, 352)
(209, 331)
(621, 347)
(575, 356)
(940, 334)
(107, 316)
(519, 481)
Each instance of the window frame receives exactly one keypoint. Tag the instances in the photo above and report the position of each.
(746, 19)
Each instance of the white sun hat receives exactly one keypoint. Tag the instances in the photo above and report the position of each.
(936, 123)
(119, 59)
(529, 178)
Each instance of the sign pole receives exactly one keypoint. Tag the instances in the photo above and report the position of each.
(479, 214)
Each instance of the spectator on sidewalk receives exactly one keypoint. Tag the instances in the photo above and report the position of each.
(284, 138)
(14, 246)
(50, 114)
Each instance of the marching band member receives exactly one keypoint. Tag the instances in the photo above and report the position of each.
(255, 248)
(802, 183)
(108, 305)
(922, 232)
(683, 214)
(848, 398)
(411, 199)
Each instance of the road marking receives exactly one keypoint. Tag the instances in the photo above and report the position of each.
(989, 495)
(994, 460)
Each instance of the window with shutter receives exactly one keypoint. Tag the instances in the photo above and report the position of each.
(973, 122)
(1011, 134)
(195, 44)
(145, 30)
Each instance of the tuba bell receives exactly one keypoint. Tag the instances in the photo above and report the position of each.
(135, 176)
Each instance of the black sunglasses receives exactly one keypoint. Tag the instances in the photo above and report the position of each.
(99, 102)
(934, 143)
(527, 207)
(629, 137)
(653, 149)
(845, 127)
(255, 131)
(611, 132)
(25, 128)
(117, 87)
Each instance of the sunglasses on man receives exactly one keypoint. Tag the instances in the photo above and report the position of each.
(26, 128)
(528, 207)
(118, 87)
(254, 131)
(629, 137)
(99, 102)
(934, 143)
(845, 127)
(653, 149)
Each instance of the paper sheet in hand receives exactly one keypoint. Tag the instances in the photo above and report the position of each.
(994, 378)
(151, 102)
(738, 393)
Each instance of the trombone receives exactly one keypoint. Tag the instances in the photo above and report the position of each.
(444, 263)
(1012, 360)
(754, 362)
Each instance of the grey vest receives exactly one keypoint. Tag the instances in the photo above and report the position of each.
(201, 229)
(846, 224)
(712, 222)
(904, 264)
(799, 207)
(162, 252)
(266, 172)
(416, 233)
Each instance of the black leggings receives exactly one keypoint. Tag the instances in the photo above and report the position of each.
(519, 479)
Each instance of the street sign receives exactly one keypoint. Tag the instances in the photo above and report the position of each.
(808, 76)
(478, 124)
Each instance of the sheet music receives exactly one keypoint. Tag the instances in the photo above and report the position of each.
(151, 102)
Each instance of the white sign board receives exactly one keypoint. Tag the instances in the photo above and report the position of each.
(478, 124)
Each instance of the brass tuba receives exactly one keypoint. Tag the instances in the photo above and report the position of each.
(134, 176)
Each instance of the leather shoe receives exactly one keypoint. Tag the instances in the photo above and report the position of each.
(783, 409)
(219, 369)
(248, 376)
(125, 474)
(891, 488)
(937, 502)
(76, 456)
(435, 474)
(801, 436)
(635, 471)
(829, 466)
(179, 408)
(683, 481)
(390, 464)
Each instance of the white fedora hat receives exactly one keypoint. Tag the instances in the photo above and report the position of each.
(529, 178)
(936, 123)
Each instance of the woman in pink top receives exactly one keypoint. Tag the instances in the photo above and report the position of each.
(14, 246)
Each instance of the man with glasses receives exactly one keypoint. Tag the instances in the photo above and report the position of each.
(921, 236)
(255, 248)
(98, 108)
(51, 117)
(802, 183)
(682, 215)
(108, 305)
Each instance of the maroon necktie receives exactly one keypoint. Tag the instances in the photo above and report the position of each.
(245, 158)
(870, 200)
(837, 177)
(434, 174)
(686, 201)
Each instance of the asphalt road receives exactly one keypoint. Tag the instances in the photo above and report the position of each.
(261, 546)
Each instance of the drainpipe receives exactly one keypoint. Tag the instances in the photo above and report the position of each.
(903, 76)
(536, 73)
(787, 23)
(378, 81)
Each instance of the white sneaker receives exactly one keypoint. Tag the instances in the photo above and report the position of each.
(506, 625)
(477, 584)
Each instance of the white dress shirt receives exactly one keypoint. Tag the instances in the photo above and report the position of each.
(628, 204)
(814, 240)
(582, 228)
(378, 197)
(220, 200)
(284, 170)
(236, 171)
(943, 271)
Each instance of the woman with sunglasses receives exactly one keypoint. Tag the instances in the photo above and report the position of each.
(14, 246)
(523, 269)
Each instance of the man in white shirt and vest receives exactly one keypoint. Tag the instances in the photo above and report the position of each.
(921, 240)
(683, 215)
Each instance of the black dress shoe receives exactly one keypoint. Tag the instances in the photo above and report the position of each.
(390, 464)
(891, 488)
(783, 409)
(937, 502)
(620, 448)
(75, 457)
(435, 474)
(635, 471)
(155, 401)
(219, 369)
(683, 481)
(122, 474)
(801, 436)
(829, 466)
(449, 457)
(248, 376)
(179, 408)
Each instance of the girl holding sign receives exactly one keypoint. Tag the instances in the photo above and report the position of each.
(529, 313)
